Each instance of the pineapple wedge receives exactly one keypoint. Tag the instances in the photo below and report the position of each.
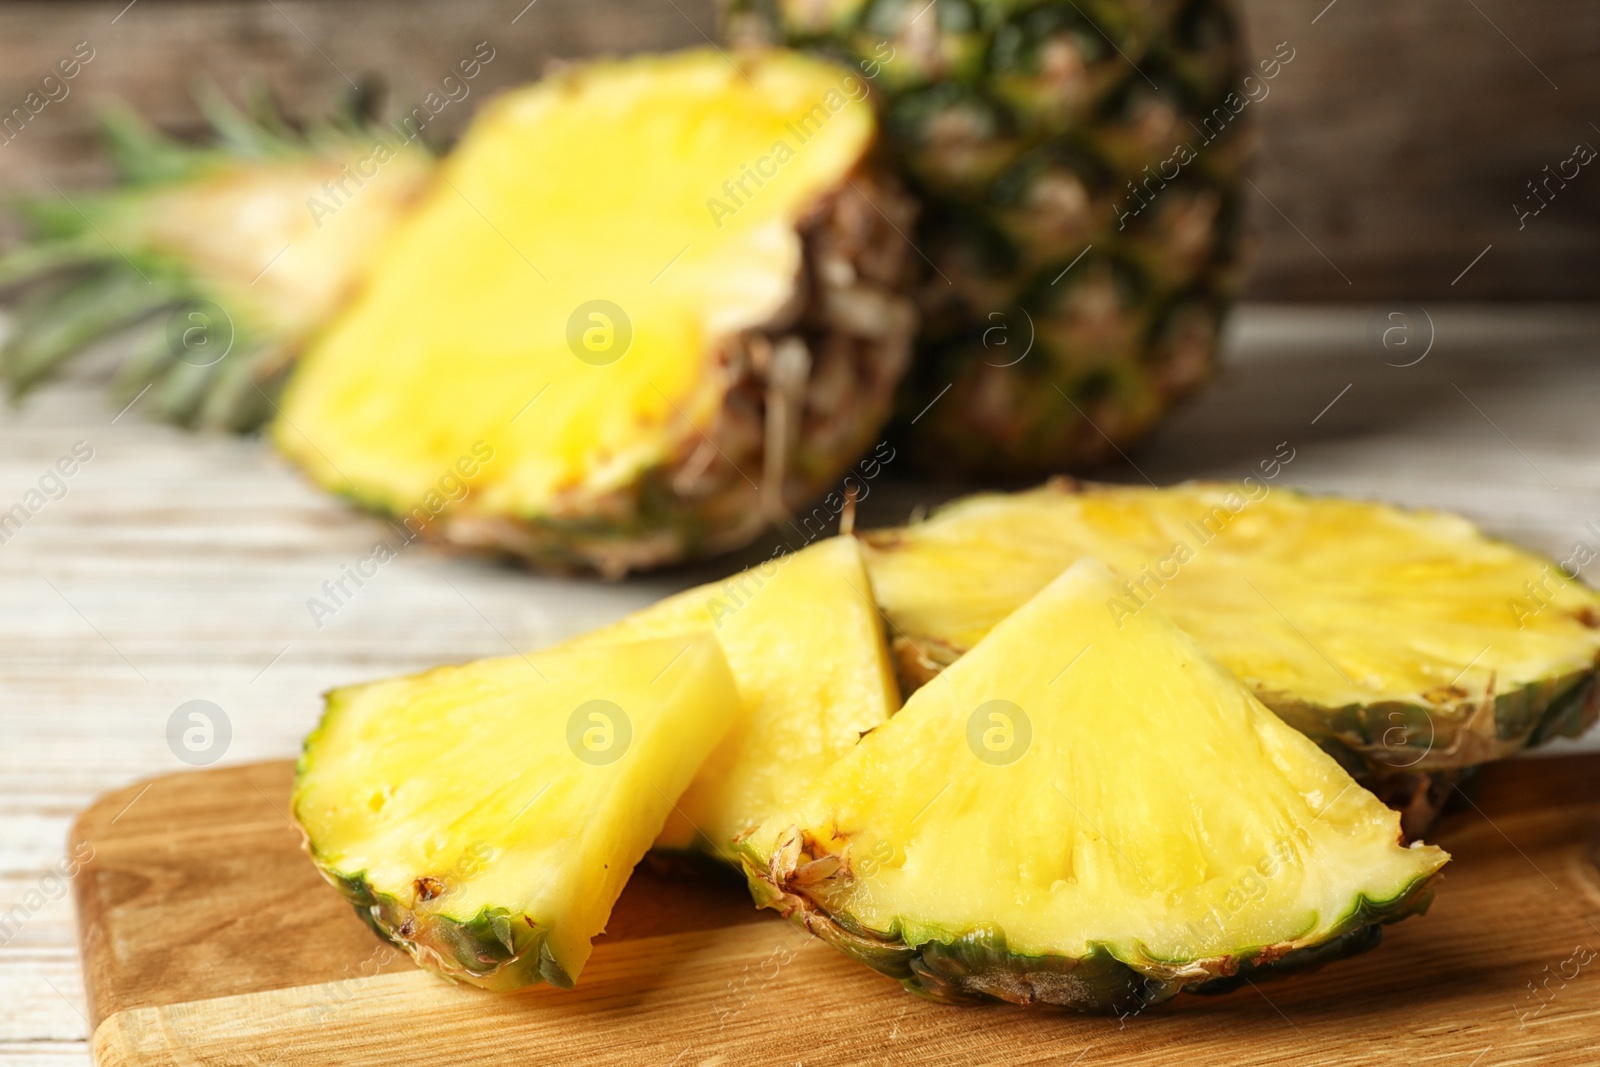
(501, 876)
(1407, 643)
(805, 643)
(1088, 814)
(662, 294)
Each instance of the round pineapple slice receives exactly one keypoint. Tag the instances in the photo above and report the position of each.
(655, 302)
(500, 874)
(1406, 642)
(1088, 812)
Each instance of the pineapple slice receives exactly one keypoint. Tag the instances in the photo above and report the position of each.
(661, 293)
(501, 877)
(805, 643)
(1405, 642)
(1091, 814)
(227, 257)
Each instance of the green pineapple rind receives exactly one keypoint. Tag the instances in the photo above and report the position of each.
(976, 965)
(495, 948)
(1530, 715)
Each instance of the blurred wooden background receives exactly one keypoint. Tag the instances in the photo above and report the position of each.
(1393, 150)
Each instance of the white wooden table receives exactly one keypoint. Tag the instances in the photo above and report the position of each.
(178, 567)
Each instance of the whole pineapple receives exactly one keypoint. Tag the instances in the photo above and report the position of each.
(1078, 165)
(647, 308)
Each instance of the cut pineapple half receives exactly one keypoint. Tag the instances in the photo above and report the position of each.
(662, 291)
(805, 643)
(499, 874)
(1089, 814)
(1401, 640)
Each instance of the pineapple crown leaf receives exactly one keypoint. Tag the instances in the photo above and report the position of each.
(73, 311)
(32, 262)
(142, 154)
(73, 287)
(260, 133)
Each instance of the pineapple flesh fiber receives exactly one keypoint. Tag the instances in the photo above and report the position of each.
(207, 260)
(1079, 165)
(805, 642)
(1407, 643)
(501, 877)
(1087, 814)
(665, 294)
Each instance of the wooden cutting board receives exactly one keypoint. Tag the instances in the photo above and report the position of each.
(207, 938)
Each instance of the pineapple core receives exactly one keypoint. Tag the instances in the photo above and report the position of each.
(563, 291)
(1074, 786)
(486, 817)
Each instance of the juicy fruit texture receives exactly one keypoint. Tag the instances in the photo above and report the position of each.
(500, 875)
(1403, 641)
(805, 643)
(213, 255)
(1079, 165)
(1089, 814)
(644, 284)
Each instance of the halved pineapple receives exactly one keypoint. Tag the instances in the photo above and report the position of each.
(663, 294)
(1406, 642)
(499, 873)
(226, 256)
(805, 644)
(1091, 813)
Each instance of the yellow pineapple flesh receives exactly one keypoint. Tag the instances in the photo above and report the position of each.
(1405, 640)
(1089, 813)
(805, 644)
(622, 284)
(486, 817)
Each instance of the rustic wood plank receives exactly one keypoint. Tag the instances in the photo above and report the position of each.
(1394, 145)
(206, 868)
